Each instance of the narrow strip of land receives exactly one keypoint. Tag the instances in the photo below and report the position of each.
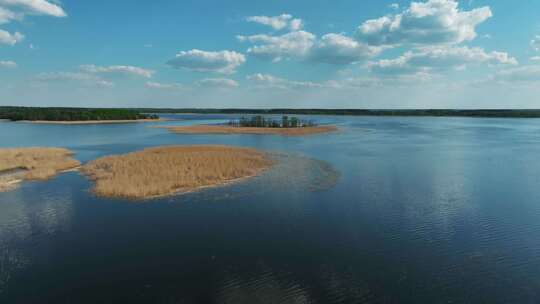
(227, 129)
(92, 122)
(19, 164)
(74, 115)
(68, 114)
(169, 170)
(496, 113)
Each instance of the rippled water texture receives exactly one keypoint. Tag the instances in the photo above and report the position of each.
(387, 210)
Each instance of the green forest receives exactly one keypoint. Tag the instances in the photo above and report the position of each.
(71, 114)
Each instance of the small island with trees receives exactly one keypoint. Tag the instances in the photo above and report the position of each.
(260, 121)
(74, 115)
(286, 126)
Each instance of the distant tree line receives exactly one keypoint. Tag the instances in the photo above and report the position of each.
(521, 113)
(71, 114)
(91, 114)
(262, 122)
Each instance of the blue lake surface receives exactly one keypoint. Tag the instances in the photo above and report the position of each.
(387, 210)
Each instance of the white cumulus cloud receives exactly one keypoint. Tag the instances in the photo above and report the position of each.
(10, 39)
(118, 69)
(439, 58)
(535, 43)
(278, 22)
(224, 62)
(523, 74)
(217, 83)
(6, 16)
(339, 49)
(66, 77)
(7, 64)
(291, 45)
(424, 23)
(331, 48)
(38, 7)
(18, 9)
(272, 82)
(164, 86)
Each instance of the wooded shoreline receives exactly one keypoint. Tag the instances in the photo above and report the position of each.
(488, 113)
(495, 113)
(62, 115)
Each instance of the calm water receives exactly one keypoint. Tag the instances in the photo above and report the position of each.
(389, 210)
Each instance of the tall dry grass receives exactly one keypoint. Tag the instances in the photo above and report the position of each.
(34, 163)
(167, 170)
(40, 163)
(226, 129)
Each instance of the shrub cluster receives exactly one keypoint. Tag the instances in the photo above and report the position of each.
(262, 122)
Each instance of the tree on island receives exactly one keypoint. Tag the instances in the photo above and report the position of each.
(261, 122)
(285, 121)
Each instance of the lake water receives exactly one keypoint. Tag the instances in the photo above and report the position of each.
(388, 210)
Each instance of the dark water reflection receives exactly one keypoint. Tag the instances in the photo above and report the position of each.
(389, 210)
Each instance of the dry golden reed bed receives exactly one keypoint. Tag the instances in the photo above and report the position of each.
(32, 164)
(225, 129)
(168, 170)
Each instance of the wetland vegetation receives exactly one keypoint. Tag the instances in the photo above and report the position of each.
(168, 170)
(20, 164)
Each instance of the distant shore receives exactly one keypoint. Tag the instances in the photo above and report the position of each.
(92, 122)
(480, 113)
(169, 170)
(22, 113)
(226, 129)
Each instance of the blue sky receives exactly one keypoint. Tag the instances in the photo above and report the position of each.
(282, 53)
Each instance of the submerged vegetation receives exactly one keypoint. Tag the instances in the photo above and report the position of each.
(32, 164)
(71, 114)
(173, 169)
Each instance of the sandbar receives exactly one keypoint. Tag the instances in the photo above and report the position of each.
(226, 129)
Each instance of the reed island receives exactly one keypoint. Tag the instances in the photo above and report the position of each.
(287, 126)
(19, 164)
(168, 170)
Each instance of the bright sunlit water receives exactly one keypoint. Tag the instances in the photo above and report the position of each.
(388, 210)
